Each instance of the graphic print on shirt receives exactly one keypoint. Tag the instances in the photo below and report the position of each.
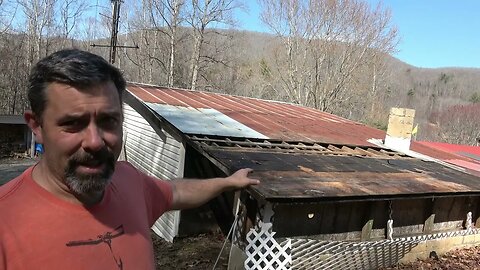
(103, 238)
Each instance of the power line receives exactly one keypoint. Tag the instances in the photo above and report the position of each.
(114, 32)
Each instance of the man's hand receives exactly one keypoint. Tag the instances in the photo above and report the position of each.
(240, 179)
(188, 193)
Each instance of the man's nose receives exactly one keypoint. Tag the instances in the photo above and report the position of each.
(93, 140)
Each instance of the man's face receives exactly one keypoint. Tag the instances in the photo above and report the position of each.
(82, 135)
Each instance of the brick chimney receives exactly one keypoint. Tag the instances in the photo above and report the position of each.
(399, 130)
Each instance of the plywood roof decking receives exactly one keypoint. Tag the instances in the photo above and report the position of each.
(313, 172)
(313, 177)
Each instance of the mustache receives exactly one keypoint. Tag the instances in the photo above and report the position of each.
(92, 158)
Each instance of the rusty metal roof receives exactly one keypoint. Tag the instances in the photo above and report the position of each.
(274, 120)
(466, 156)
(299, 153)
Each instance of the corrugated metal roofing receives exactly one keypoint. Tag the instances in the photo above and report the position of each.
(275, 120)
(463, 150)
(462, 155)
(304, 153)
(262, 119)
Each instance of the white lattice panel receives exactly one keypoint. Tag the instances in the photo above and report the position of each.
(264, 252)
(310, 254)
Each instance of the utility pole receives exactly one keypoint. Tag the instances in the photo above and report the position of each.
(114, 32)
(115, 19)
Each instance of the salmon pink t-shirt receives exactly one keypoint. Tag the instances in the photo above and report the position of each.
(40, 231)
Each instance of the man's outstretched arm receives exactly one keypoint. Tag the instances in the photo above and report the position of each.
(193, 193)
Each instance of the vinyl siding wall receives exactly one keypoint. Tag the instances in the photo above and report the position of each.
(162, 156)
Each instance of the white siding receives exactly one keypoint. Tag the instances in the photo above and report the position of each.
(160, 156)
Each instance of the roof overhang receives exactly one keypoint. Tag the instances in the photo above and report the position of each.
(302, 172)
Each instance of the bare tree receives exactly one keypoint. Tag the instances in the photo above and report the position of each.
(457, 124)
(71, 12)
(155, 28)
(8, 12)
(39, 15)
(171, 15)
(13, 74)
(326, 44)
(201, 15)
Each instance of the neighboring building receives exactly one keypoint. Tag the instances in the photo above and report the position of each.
(465, 156)
(331, 192)
(15, 136)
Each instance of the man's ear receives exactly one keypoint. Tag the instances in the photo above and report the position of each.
(34, 123)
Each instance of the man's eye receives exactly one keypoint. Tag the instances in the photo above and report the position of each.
(71, 123)
(109, 122)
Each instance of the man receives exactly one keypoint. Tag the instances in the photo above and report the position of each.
(78, 208)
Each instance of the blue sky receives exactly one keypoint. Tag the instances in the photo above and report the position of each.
(433, 33)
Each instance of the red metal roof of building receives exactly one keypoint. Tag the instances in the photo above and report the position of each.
(298, 152)
(462, 155)
(276, 120)
(455, 148)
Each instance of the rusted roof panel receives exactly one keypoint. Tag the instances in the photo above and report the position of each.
(275, 120)
(465, 157)
(469, 151)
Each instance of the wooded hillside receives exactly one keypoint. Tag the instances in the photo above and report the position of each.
(333, 55)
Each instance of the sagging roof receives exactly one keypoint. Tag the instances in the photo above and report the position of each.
(299, 153)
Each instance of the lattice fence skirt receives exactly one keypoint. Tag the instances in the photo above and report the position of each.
(264, 252)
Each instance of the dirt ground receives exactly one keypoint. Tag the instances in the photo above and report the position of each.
(459, 259)
(196, 252)
(201, 252)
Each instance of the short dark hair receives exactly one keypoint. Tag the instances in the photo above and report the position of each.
(73, 67)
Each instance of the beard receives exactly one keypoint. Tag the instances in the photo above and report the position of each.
(94, 183)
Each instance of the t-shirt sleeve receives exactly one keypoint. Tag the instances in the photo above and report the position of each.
(158, 197)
